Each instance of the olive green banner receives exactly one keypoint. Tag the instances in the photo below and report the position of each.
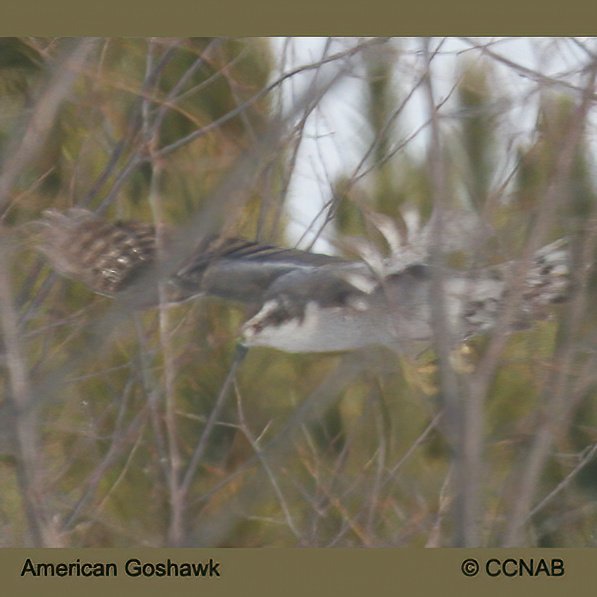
(271, 17)
(288, 572)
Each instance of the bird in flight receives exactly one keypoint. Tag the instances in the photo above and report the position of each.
(303, 301)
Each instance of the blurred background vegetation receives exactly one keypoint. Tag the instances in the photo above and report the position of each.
(143, 432)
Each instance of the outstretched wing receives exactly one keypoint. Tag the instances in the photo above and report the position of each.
(106, 256)
(242, 270)
(109, 257)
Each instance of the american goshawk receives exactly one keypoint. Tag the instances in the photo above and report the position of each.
(303, 301)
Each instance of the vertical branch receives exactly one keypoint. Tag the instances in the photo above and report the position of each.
(555, 390)
(30, 468)
(151, 137)
(219, 404)
(463, 418)
(558, 404)
(24, 147)
(267, 467)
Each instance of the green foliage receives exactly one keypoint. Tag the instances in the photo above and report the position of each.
(310, 450)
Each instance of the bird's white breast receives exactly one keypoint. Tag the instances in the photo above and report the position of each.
(321, 329)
